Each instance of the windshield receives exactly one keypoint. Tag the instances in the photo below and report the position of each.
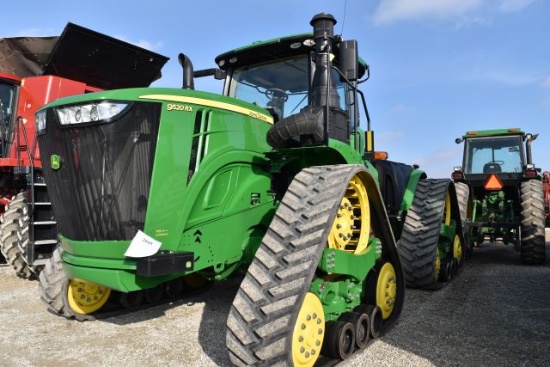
(281, 87)
(493, 155)
(7, 97)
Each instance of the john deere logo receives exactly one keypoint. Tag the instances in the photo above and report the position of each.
(55, 162)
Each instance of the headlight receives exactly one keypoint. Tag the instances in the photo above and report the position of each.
(92, 112)
(40, 120)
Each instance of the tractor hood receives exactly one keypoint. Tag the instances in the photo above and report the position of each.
(83, 55)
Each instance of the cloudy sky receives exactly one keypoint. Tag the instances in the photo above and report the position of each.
(438, 67)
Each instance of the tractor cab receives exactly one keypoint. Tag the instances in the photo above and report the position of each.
(496, 152)
(8, 94)
(501, 154)
(275, 74)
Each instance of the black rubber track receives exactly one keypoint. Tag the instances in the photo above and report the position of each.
(533, 250)
(263, 314)
(10, 226)
(421, 229)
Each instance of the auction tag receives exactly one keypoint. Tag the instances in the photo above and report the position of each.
(142, 246)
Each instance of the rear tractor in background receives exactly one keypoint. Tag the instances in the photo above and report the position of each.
(500, 192)
(274, 180)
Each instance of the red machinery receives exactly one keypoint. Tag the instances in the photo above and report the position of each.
(33, 72)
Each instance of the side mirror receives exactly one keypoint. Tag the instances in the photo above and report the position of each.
(348, 59)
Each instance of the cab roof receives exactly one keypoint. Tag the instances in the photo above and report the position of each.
(273, 49)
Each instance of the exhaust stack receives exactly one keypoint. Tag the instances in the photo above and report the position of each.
(187, 65)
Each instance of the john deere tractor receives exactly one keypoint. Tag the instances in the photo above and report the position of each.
(161, 189)
(500, 192)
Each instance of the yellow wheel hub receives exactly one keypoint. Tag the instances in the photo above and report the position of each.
(85, 297)
(437, 265)
(309, 331)
(386, 290)
(351, 228)
(457, 249)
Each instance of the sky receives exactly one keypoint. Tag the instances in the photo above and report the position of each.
(439, 68)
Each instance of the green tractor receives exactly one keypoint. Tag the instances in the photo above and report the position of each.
(157, 190)
(500, 192)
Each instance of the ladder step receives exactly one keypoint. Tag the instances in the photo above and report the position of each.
(44, 242)
(45, 223)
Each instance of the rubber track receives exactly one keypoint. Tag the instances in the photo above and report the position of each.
(420, 234)
(533, 250)
(15, 211)
(263, 314)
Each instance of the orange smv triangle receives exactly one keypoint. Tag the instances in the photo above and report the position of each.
(493, 182)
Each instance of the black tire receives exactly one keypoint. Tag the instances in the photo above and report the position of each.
(420, 234)
(53, 285)
(12, 219)
(533, 250)
(263, 315)
(463, 198)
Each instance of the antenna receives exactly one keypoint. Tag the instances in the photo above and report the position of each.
(344, 17)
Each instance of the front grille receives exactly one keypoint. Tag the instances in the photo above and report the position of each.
(101, 190)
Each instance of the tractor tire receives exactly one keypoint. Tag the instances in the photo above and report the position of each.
(532, 248)
(418, 245)
(274, 296)
(10, 227)
(463, 197)
(56, 290)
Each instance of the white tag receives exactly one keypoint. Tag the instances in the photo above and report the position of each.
(142, 246)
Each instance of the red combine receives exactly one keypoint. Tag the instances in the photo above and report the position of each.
(546, 188)
(33, 72)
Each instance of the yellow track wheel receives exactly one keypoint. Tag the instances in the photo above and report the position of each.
(447, 210)
(437, 265)
(386, 290)
(457, 249)
(85, 297)
(351, 228)
(309, 331)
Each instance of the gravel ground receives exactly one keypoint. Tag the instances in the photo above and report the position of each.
(496, 313)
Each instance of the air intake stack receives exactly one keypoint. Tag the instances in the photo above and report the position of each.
(323, 118)
(324, 90)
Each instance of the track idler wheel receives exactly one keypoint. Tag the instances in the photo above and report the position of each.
(309, 330)
(361, 324)
(445, 272)
(132, 300)
(375, 316)
(339, 339)
(155, 294)
(174, 288)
